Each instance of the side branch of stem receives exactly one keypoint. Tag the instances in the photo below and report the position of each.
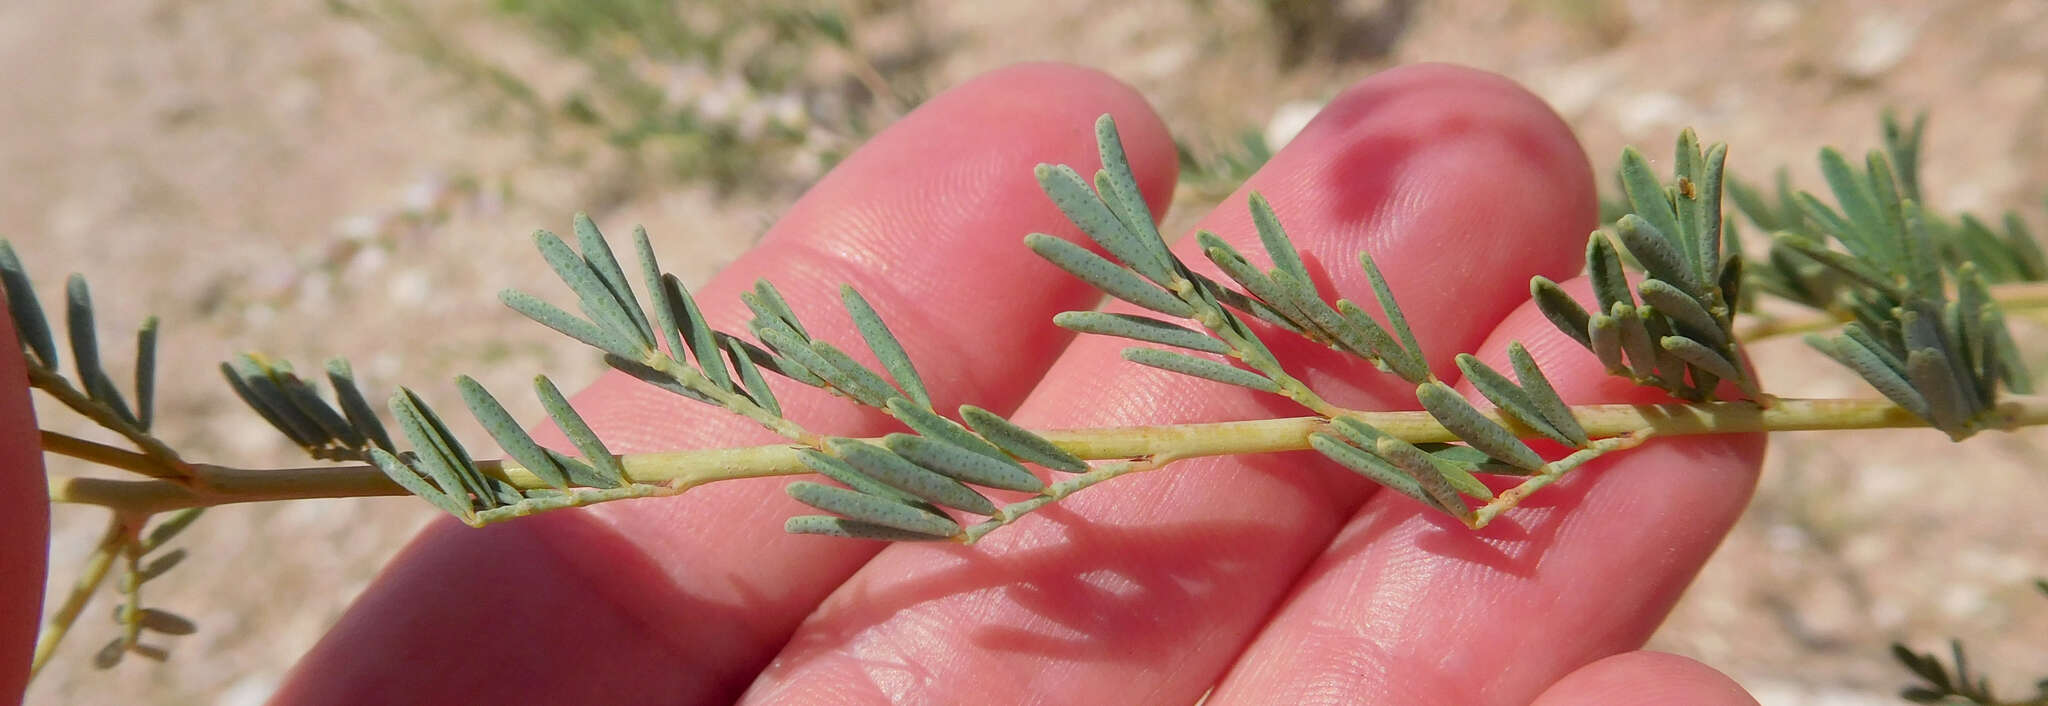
(120, 533)
(165, 460)
(111, 456)
(2016, 298)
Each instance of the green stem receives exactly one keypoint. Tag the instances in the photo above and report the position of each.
(1251, 353)
(2016, 298)
(731, 401)
(102, 454)
(1059, 491)
(167, 461)
(1552, 472)
(120, 533)
(130, 614)
(683, 470)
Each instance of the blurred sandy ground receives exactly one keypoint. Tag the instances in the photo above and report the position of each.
(245, 168)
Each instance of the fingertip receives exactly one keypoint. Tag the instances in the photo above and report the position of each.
(980, 140)
(1458, 182)
(1517, 146)
(1072, 97)
(1047, 113)
(1644, 677)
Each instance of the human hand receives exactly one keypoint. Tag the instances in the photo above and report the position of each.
(1277, 579)
(24, 517)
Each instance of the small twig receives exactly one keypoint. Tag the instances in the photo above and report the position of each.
(731, 401)
(2016, 298)
(871, 79)
(1765, 326)
(102, 454)
(1248, 351)
(1059, 491)
(57, 387)
(121, 532)
(1554, 471)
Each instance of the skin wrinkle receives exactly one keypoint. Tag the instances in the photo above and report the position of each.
(893, 670)
(943, 335)
(888, 670)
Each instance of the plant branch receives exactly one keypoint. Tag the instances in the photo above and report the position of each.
(121, 532)
(1059, 491)
(166, 461)
(683, 470)
(731, 401)
(1554, 471)
(105, 455)
(2026, 299)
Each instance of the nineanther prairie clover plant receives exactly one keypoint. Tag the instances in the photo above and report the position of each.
(1912, 301)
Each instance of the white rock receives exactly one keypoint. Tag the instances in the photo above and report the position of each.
(1288, 121)
(1777, 691)
(367, 261)
(1769, 19)
(362, 226)
(410, 288)
(298, 98)
(425, 193)
(1640, 114)
(1572, 89)
(252, 690)
(1784, 537)
(1878, 43)
(1167, 60)
(1963, 601)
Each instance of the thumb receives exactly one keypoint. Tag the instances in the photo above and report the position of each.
(1644, 677)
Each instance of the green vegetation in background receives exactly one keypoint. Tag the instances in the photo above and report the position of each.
(738, 95)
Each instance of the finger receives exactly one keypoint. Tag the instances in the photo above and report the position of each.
(1645, 678)
(681, 600)
(1141, 590)
(24, 516)
(1423, 611)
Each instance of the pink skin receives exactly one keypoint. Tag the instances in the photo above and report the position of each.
(1409, 605)
(24, 517)
(1643, 677)
(1149, 589)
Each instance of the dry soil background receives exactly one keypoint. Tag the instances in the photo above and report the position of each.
(248, 169)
